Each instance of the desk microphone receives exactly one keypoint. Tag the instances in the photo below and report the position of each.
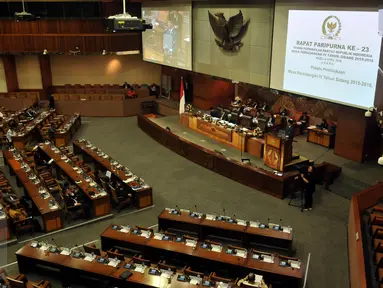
(195, 208)
(178, 209)
(233, 216)
(224, 212)
(55, 243)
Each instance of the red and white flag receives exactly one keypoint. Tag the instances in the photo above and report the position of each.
(182, 97)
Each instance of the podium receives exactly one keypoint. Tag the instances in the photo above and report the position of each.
(277, 152)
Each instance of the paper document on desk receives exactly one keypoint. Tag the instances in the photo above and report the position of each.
(295, 264)
(54, 207)
(191, 243)
(241, 253)
(166, 273)
(216, 248)
(65, 251)
(241, 222)
(44, 247)
(195, 280)
(129, 179)
(210, 217)
(158, 236)
(125, 230)
(222, 285)
(90, 257)
(287, 229)
(145, 234)
(254, 224)
(268, 259)
(113, 262)
(140, 268)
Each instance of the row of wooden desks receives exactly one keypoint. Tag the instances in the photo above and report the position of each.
(43, 201)
(98, 198)
(21, 139)
(72, 270)
(320, 137)
(142, 193)
(150, 246)
(67, 129)
(220, 226)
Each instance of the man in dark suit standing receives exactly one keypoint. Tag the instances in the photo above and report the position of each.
(290, 130)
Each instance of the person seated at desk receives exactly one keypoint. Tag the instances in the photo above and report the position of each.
(255, 119)
(323, 125)
(283, 112)
(271, 120)
(121, 191)
(290, 130)
(51, 132)
(9, 199)
(30, 113)
(10, 133)
(304, 121)
(237, 102)
(249, 106)
(249, 280)
(264, 106)
(126, 85)
(39, 161)
(214, 113)
(51, 102)
(16, 213)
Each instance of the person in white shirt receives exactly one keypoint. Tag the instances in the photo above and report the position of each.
(9, 135)
(250, 280)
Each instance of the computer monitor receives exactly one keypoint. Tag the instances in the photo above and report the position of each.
(91, 250)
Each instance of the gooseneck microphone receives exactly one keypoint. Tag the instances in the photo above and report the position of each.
(53, 240)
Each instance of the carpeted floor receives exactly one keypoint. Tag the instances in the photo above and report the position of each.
(177, 181)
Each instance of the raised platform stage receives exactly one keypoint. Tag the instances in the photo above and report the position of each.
(226, 160)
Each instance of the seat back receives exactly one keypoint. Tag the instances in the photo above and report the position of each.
(13, 283)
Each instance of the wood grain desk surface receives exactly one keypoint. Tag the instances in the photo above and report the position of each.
(185, 218)
(33, 124)
(320, 131)
(31, 189)
(71, 173)
(200, 252)
(106, 164)
(66, 261)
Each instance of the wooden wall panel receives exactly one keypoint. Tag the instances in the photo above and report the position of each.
(176, 75)
(210, 92)
(11, 73)
(58, 26)
(355, 248)
(351, 132)
(87, 43)
(46, 74)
